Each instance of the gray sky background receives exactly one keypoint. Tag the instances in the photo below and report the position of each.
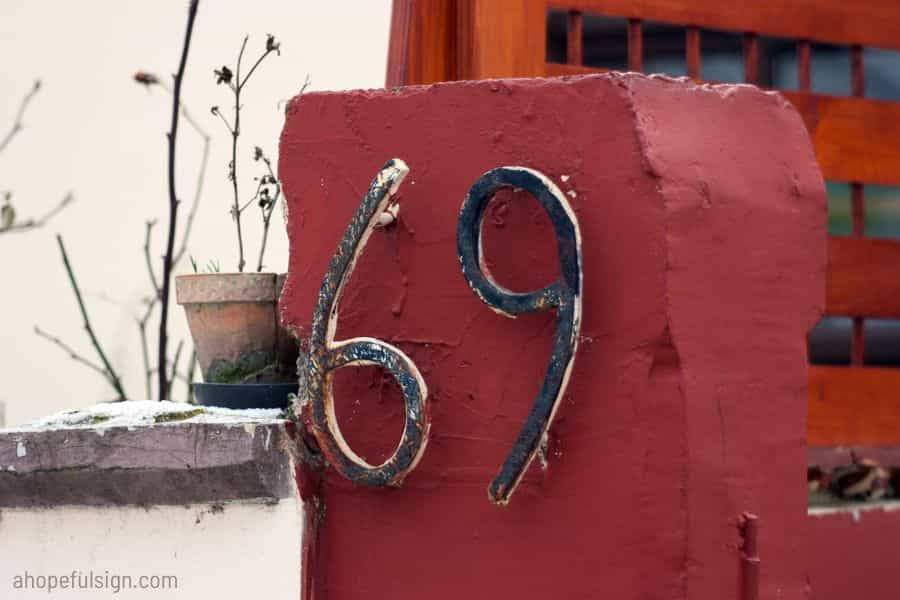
(93, 131)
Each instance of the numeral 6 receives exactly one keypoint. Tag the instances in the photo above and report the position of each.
(327, 356)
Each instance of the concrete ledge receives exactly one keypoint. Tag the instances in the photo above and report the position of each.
(194, 456)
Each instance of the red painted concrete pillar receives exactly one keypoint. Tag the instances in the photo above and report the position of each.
(702, 216)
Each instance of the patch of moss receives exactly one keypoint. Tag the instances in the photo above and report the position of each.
(168, 417)
(246, 368)
(90, 420)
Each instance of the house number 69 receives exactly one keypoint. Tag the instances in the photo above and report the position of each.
(326, 356)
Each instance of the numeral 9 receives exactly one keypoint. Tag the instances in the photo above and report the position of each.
(563, 294)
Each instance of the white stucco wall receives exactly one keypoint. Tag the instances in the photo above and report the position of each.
(95, 132)
(234, 551)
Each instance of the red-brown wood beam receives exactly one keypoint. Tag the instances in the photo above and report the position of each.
(858, 84)
(635, 45)
(858, 74)
(574, 36)
(804, 79)
(692, 41)
(398, 45)
(751, 58)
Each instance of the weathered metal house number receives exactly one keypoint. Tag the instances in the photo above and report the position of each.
(326, 356)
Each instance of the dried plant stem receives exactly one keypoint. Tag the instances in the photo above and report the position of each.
(175, 360)
(179, 254)
(145, 351)
(235, 133)
(267, 214)
(147, 260)
(236, 86)
(18, 124)
(111, 374)
(173, 208)
(198, 192)
(72, 354)
(201, 177)
(40, 222)
(189, 378)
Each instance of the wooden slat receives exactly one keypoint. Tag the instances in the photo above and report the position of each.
(501, 39)
(863, 277)
(398, 46)
(862, 22)
(751, 58)
(635, 45)
(422, 47)
(858, 72)
(692, 52)
(574, 37)
(853, 406)
(804, 70)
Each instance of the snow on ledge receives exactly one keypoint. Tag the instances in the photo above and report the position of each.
(145, 413)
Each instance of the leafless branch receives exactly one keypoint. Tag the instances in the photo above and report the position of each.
(236, 85)
(198, 192)
(235, 133)
(173, 208)
(111, 374)
(40, 222)
(18, 124)
(72, 354)
(189, 378)
(267, 209)
(145, 349)
(175, 360)
(147, 260)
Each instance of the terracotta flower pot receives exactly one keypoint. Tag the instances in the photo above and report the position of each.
(233, 318)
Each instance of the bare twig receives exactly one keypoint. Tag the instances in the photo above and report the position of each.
(198, 192)
(184, 111)
(189, 378)
(18, 124)
(235, 133)
(147, 260)
(175, 360)
(236, 85)
(149, 79)
(216, 111)
(112, 377)
(267, 208)
(142, 328)
(145, 350)
(178, 376)
(173, 208)
(40, 222)
(247, 204)
(72, 354)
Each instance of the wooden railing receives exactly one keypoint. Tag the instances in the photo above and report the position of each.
(856, 139)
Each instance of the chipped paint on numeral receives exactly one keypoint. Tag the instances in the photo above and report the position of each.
(563, 294)
(327, 356)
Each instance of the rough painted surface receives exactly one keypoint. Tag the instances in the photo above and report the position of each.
(703, 228)
(853, 553)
